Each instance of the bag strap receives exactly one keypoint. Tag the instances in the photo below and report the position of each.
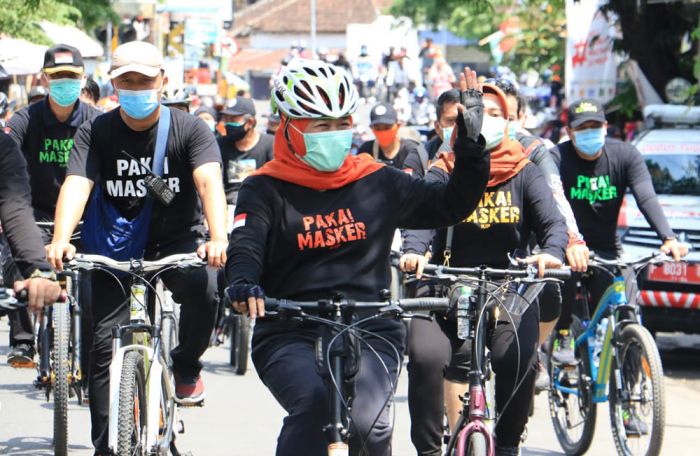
(161, 141)
(447, 253)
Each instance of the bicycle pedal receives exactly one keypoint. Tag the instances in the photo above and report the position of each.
(191, 404)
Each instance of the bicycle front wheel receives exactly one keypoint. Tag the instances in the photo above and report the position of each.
(131, 423)
(571, 403)
(637, 398)
(61, 371)
(240, 337)
(477, 445)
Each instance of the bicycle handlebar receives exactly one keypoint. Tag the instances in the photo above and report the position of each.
(638, 263)
(384, 307)
(529, 273)
(88, 262)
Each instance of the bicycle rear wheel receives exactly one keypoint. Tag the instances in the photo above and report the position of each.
(637, 371)
(573, 414)
(131, 422)
(61, 371)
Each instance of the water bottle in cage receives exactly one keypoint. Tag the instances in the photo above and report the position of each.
(463, 303)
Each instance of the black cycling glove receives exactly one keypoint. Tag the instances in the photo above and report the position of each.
(469, 123)
(241, 293)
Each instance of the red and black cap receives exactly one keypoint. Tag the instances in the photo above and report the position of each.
(63, 58)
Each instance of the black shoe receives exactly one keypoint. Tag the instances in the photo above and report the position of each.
(21, 355)
(634, 426)
(507, 451)
(563, 350)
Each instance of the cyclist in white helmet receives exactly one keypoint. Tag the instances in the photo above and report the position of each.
(316, 222)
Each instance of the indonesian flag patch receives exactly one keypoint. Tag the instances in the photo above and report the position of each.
(239, 221)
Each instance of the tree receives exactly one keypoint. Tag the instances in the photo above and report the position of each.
(540, 43)
(652, 33)
(20, 18)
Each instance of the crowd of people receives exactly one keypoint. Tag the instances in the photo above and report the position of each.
(287, 211)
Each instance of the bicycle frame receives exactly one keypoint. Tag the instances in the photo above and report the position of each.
(476, 404)
(610, 304)
(159, 383)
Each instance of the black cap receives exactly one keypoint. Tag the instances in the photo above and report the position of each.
(239, 106)
(584, 110)
(383, 113)
(63, 58)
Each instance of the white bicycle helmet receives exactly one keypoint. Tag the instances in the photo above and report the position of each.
(313, 89)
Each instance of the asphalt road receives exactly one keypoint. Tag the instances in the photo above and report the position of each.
(241, 418)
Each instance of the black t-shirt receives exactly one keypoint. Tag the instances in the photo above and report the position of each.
(595, 190)
(502, 223)
(46, 144)
(239, 164)
(97, 154)
(407, 159)
(299, 243)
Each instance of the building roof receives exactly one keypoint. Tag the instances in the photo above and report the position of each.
(292, 16)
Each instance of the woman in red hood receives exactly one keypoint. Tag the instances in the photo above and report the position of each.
(317, 222)
(517, 202)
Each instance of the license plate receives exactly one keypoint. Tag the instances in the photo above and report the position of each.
(675, 273)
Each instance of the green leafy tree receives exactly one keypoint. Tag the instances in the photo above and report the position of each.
(21, 18)
(540, 43)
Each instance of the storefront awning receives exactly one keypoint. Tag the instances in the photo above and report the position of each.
(19, 57)
(72, 36)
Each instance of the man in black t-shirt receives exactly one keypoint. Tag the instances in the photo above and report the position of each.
(112, 151)
(389, 147)
(596, 172)
(243, 150)
(44, 132)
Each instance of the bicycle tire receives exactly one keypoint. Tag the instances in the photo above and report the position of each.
(654, 371)
(570, 446)
(61, 371)
(132, 406)
(477, 445)
(243, 341)
(168, 332)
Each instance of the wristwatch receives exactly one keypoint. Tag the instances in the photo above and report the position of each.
(43, 274)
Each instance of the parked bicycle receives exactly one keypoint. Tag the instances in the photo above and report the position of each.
(480, 293)
(142, 411)
(617, 361)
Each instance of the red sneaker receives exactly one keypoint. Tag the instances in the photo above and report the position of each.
(189, 390)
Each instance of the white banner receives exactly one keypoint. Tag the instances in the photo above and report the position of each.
(591, 67)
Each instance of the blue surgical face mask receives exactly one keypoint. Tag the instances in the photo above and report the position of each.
(326, 151)
(65, 91)
(512, 130)
(590, 141)
(447, 134)
(138, 104)
(493, 130)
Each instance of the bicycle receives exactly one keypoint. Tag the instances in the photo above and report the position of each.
(236, 328)
(478, 301)
(613, 341)
(142, 410)
(339, 315)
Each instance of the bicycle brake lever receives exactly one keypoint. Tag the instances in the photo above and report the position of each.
(391, 311)
(409, 316)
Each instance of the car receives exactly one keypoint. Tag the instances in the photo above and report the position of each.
(669, 294)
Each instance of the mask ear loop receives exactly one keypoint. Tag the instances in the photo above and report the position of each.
(287, 124)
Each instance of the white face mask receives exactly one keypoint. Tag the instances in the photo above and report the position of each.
(493, 130)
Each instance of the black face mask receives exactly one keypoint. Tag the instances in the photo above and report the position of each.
(236, 133)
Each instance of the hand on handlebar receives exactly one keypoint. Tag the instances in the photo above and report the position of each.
(543, 261)
(247, 299)
(577, 255)
(57, 251)
(412, 262)
(215, 252)
(674, 248)
(41, 292)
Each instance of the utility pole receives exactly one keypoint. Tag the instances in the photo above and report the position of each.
(313, 28)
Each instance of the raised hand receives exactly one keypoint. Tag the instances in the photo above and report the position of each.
(471, 111)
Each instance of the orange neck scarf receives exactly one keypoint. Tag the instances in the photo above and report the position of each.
(288, 167)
